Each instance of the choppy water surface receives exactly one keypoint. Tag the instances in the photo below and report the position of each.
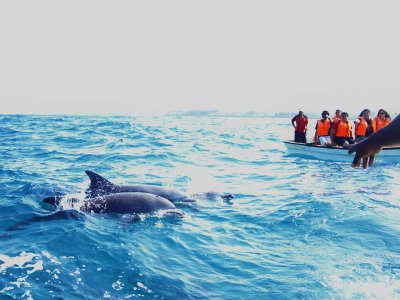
(297, 228)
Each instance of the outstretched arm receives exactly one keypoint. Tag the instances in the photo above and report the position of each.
(387, 136)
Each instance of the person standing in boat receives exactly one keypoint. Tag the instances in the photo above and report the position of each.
(381, 120)
(338, 116)
(322, 130)
(341, 133)
(300, 129)
(363, 126)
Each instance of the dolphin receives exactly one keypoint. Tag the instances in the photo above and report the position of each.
(121, 203)
(101, 186)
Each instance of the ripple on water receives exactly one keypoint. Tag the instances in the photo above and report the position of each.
(297, 228)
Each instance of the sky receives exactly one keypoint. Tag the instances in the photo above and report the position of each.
(139, 57)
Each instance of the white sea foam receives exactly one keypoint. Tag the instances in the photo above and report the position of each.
(72, 201)
(384, 287)
(28, 263)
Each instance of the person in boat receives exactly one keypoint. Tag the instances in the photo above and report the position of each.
(367, 149)
(322, 130)
(341, 132)
(338, 116)
(300, 129)
(381, 120)
(363, 126)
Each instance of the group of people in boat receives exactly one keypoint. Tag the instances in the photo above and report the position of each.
(338, 131)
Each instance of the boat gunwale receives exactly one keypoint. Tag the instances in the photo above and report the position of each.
(335, 148)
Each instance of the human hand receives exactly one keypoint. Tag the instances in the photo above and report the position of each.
(365, 150)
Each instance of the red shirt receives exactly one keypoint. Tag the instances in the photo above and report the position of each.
(301, 123)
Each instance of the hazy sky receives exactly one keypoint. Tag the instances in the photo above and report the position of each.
(132, 57)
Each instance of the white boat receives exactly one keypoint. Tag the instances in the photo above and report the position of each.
(388, 155)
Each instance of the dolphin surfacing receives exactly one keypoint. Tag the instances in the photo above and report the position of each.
(121, 203)
(101, 186)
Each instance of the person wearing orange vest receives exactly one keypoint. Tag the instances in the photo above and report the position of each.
(381, 120)
(338, 116)
(363, 126)
(341, 133)
(322, 130)
(367, 150)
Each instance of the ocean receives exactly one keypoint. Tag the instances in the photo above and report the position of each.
(296, 229)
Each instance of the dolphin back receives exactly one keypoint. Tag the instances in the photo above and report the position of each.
(127, 203)
(99, 185)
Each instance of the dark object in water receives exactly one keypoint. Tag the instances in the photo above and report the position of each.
(121, 203)
(101, 186)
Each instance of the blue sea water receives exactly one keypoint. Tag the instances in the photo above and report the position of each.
(296, 229)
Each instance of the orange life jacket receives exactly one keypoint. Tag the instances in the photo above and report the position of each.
(361, 128)
(336, 119)
(378, 123)
(343, 130)
(323, 127)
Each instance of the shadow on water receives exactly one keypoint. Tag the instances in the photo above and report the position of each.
(59, 215)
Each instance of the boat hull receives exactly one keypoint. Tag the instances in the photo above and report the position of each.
(388, 155)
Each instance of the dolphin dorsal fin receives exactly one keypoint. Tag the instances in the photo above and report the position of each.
(98, 182)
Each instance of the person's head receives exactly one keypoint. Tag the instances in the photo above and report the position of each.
(382, 114)
(345, 116)
(338, 113)
(325, 114)
(301, 112)
(365, 113)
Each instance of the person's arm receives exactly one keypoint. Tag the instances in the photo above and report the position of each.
(355, 130)
(351, 131)
(330, 130)
(356, 124)
(306, 123)
(316, 135)
(373, 125)
(332, 133)
(385, 137)
(294, 119)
